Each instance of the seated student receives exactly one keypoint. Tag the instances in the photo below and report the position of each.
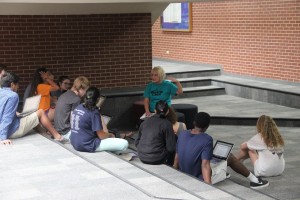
(265, 148)
(178, 127)
(87, 133)
(43, 84)
(194, 152)
(156, 142)
(64, 84)
(66, 103)
(12, 126)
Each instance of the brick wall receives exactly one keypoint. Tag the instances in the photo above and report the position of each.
(111, 50)
(251, 37)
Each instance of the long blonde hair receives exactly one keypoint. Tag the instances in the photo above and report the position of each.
(268, 130)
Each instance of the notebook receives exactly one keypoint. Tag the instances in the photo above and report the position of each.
(30, 106)
(221, 151)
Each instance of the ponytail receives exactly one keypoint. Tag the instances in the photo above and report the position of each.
(162, 109)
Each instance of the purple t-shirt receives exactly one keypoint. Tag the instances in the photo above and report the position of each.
(191, 150)
(84, 124)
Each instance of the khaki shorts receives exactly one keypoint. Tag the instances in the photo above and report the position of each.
(26, 125)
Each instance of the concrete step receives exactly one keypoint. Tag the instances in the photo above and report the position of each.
(195, 81)
(201, 91)
(195, 73)
(148, 183)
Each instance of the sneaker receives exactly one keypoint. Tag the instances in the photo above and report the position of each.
(227, 175)
(260, 184)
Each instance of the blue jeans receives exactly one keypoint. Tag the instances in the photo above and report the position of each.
(113, 144)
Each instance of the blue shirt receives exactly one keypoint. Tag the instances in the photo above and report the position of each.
(84, 124)
(191, 150)
(156, 92)
(9, 122)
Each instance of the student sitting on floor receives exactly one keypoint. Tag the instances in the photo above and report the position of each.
(66, 103)
(156, 142)
(64, 84)
(87, 133)
(12, 126)
(43, 84)
(194, 153)
(265, 149)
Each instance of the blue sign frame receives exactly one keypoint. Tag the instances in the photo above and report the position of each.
(186, 20)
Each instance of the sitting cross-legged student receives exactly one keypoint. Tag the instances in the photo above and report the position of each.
(66, 103)
(156, 142)
(12, 126)
(194, 153)
(87, 133)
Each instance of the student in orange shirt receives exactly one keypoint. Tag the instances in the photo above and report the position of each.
(43, 84)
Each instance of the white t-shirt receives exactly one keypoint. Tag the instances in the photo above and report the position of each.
(270, 161)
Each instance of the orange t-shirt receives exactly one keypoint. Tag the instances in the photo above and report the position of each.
(44, 91)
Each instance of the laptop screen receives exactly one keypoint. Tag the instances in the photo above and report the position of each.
(222, 150)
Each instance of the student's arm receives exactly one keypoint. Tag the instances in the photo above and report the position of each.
(176, 162)
(103, 135)
(146, 106)
(178, 84)
(53, 85)
(8, 116)
(170, 138)
(45, 77)
(206, 171)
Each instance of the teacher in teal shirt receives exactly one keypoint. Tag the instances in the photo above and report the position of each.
(160, 89)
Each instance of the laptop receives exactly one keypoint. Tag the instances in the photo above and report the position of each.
(221, 151)
(30, 106)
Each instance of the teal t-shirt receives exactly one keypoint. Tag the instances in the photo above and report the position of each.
(156, 92)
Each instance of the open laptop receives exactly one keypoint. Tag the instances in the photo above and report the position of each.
(221, 151)
(31, 105)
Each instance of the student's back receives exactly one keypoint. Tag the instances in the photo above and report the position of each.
(67, 102)
(192, 149)
(157, 134)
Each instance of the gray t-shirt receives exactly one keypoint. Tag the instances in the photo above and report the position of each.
(66, 103)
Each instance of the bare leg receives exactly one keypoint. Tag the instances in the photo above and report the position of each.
(237, 166)
(243, 153)
(51, 114)
(253, 156)
(44, 120)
